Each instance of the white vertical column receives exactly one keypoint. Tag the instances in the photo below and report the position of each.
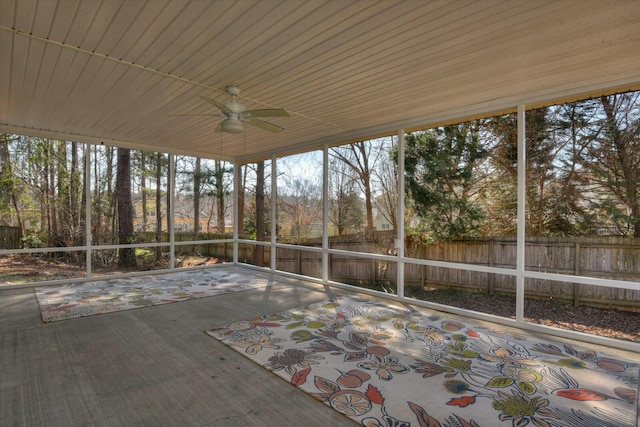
(274, 213)
(236, 192)
(400, 225)
(88, 241)
(172, 208)
(325, 214)
(520, 243)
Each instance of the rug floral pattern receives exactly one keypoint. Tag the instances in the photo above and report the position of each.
(106, 296)
(392, 367)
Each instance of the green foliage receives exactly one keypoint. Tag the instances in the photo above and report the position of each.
(32, 240)
(7, 186)
(612, 161)
(250, 228)
(440, 169)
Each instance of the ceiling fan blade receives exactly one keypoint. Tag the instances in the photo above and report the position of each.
(219, 104)
(267, 112)
(265, 125)
(195, 115)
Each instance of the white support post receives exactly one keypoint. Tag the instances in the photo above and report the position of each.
(274, 212)
(88, 241)
(400, 225)
(521, 221)
(170, 214)
(325, 214)
(236, 191)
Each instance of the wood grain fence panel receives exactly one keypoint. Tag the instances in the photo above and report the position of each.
(605, 257)
(10, 237)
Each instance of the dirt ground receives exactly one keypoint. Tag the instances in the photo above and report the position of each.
(610, 323)
(625, 325)
(16, 269)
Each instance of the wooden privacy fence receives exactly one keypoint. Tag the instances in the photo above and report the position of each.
(10, 237)
(222, 250)
(600, 257)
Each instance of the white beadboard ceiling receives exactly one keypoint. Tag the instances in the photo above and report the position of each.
(116, 71)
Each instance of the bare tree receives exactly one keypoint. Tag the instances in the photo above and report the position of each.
(362, 158)
(159, 163)
(345, 205)
(260, 225)
(143, 188)
(221, 191)
(126, 256)
(197, 179)
(300, 204)
(386, 178)
(241, 179)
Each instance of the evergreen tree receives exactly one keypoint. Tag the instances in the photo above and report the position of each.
(441, 180)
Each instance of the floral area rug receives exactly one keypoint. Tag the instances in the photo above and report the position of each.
(106, 296)
(387, 366)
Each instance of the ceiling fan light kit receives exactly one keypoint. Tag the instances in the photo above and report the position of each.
(232, 125)
(237, 116)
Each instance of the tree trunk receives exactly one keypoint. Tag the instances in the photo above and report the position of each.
(197, 175)
(260, 226)
(82, 235)
(96, 215)
(74, 188)
(8, 193)
(158, 206)
(63, 199)
(219, 171)
(358, 161)
(48, 180)
(365, 176)
(143, 189)
(126, 256)
(240, 178)
(53, 199)
(111, 196)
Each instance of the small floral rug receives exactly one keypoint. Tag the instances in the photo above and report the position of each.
(385, 366)
(106, 296)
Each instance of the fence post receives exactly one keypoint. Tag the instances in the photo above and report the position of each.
(491, 275)
(576, 286)
(423, 268)
(375, 272)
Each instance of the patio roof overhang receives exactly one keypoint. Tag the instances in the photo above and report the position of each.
(115, 72)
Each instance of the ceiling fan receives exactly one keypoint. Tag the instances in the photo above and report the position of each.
(237, 116)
